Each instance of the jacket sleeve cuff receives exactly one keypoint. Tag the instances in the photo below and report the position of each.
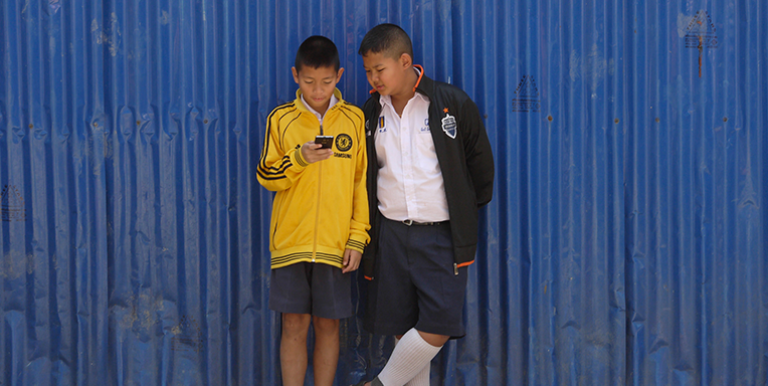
(298, 159)
(356, 243)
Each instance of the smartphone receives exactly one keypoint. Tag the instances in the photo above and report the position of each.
(325, 140)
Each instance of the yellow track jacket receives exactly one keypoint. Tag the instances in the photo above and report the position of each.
(320, 209)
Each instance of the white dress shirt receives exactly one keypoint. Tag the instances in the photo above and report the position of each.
(318, 115)
(410, 183)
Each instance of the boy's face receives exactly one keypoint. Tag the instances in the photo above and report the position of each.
(317, 85)
(386, 74)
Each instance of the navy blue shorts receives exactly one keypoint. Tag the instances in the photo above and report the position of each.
(311, 288)
(414, 284)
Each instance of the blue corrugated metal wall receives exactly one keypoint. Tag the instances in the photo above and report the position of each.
(625, 243)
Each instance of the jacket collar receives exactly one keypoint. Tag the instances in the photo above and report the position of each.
(300, 105)
(424, 85)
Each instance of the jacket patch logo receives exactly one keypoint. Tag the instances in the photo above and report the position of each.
(449, 126)
(343, 142)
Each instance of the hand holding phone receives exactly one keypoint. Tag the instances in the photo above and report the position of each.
(312, 153)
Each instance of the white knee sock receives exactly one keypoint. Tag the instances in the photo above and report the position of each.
(422, 378)
(411, 355)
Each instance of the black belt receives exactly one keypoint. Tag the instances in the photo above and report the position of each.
(411, 222)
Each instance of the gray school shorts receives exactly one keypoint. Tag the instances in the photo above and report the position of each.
(414, 283)
(311, 288)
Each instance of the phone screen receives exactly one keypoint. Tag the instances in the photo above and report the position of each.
(325, 140)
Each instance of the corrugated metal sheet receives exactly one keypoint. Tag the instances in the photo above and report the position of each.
(625, 243)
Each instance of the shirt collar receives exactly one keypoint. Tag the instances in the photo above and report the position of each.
(319, 116)
(385, 100)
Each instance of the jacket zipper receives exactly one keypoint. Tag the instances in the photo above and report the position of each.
(317, 208)
(274, 232)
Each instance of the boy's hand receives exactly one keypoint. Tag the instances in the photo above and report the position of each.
(312, 152)
(351, 260)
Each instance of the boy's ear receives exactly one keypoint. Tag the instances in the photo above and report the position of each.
(295, 75)
(338, 74)
(405, 60)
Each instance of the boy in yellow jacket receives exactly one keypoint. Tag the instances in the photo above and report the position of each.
(320, 212)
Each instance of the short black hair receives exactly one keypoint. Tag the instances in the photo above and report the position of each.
(317, 51)
(390, 39)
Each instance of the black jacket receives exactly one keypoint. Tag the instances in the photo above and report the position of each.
(466, 163)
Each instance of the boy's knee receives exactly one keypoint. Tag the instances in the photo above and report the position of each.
(296, 323)
(434, 339)
(326, 326)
